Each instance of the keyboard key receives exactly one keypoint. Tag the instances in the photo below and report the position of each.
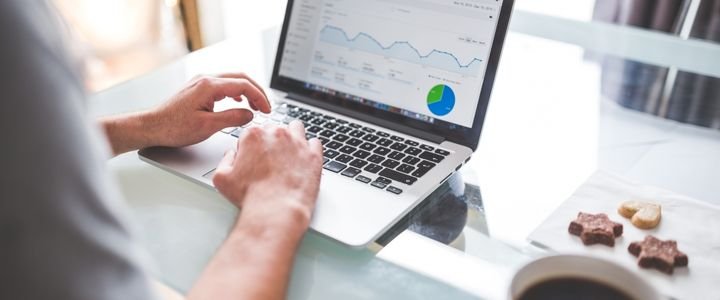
(362, 179)
(334, 166)
(362, 154)
(370, 137)
(314, 129)
(420, 172)
(354, 125)
(276, 118)
(333, 145)
(368, 146)
(383, 180)
(341, 138)
(431, 156)
(228, 130)
(412, 143)
(368, 129)
(323, 140)
(405, 168)
(341, 121)
(327, 133)
(377, 159)
(397, 176)
(389, 163)
(331, 125)
(325, 160)
(347, 149)
(411, 160)
(379, 185)
(236, 132)
(330, 153)
(384, 142)
(343, 129)
(358, 163)
(426, 147)
(413, 151)
(396, 155)
(350, 172)
(316, 121)
(309, 136)
(398, 146)
(307, 118)
(382, 134)
(397, 138)
(442, 152)
(354, 142)
(357, 133)
(381, 151)
(426, 164)
(373, 168)
(344, 158)
(394, 190)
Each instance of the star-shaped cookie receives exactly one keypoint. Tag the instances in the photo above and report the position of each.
(595, 229)
(658, 254)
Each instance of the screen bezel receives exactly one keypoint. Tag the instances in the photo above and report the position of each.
(455, 133)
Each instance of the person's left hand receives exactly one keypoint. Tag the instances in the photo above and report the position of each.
(187, 117)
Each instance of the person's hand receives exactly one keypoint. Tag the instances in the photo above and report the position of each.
(188, 117)
(274, 175)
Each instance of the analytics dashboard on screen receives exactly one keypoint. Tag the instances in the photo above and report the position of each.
(425, 58)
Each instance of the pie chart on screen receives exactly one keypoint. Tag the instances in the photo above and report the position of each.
(441, 100)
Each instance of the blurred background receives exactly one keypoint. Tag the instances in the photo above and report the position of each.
(121, 39)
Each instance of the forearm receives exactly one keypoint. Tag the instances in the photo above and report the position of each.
(255, 260)
(127, 132)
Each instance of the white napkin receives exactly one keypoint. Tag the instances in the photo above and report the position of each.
(693, 224)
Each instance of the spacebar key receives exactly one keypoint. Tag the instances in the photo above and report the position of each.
(397, 176)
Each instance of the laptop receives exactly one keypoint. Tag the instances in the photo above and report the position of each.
(396, 90)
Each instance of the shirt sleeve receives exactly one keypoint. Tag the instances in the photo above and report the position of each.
(61, 231)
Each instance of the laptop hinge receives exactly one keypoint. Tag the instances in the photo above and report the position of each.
(370, 119)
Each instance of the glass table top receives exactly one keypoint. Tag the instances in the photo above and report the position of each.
(559, 112)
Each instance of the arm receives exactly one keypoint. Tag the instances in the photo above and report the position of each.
(188, 117)
(277, 203)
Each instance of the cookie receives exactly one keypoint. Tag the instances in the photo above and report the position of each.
(657, 254)
(643, 215)
(595, 229)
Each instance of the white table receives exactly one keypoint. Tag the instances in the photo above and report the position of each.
(547, 130)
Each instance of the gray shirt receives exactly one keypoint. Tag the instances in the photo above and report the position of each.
(61, 234)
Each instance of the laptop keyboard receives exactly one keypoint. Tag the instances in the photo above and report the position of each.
(367, 155)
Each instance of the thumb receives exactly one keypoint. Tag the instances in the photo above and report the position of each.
(226, 163)
(231, 118)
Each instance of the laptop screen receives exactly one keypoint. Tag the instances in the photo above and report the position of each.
(422, 59)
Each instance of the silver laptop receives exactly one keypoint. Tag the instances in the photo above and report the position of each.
(396, 90)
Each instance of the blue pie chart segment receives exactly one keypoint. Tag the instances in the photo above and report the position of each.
(441, 100)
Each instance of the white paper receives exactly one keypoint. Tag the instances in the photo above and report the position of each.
(693, 224)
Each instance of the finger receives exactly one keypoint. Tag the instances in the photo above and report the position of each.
(315, 146)
(243, 76)
(226, 162)
(231, 118)
(240, 99)
(231, 87)
(297, 129)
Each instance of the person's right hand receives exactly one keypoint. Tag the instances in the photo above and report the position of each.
(275, 171)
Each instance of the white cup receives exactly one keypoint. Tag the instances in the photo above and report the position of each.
(581, 267)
